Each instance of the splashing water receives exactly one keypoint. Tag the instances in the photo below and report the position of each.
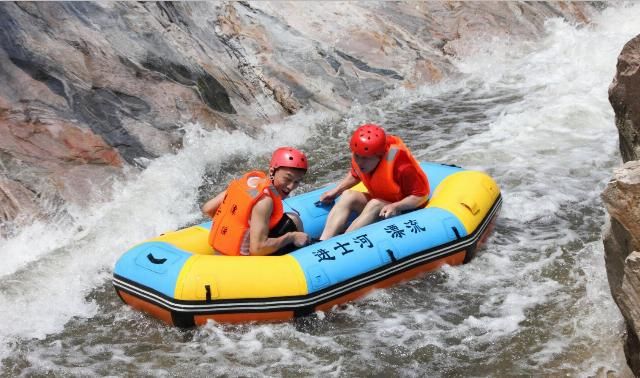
(534, 115)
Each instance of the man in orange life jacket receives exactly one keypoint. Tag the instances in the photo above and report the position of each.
(248, 217)
(392, 176)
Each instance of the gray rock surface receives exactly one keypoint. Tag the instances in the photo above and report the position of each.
(629, 303)
(622, 200)
(624, 93)
(621, 197)
(101, 85)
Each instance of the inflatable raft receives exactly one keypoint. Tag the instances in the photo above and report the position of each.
(179, 279)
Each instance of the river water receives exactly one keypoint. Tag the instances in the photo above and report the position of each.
(535, 300)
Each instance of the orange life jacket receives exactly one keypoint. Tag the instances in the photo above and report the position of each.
(231, 221)
(380, 183)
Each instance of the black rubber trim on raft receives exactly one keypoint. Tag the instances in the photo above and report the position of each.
(302, 305)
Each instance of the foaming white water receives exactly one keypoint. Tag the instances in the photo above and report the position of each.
(266, 349)
(595, 320)
(535, 301)
(50, 268)
(552, 152)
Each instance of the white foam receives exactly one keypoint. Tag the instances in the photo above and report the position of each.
(550, 149)
(51, 268)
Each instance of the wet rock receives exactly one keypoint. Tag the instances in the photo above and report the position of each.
(629, 303)
(103, 85)
(621, 238)
(618, 244)
(15, 199)
(624, 93)
(210, 90)
(622, 200)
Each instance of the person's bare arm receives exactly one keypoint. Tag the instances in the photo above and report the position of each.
(213, 204)
(260, 244)
(407, 203)
(346, 183)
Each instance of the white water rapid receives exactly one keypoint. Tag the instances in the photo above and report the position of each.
(535, 301)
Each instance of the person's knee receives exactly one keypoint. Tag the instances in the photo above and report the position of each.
(375, 205)
(372, 209)
(353, 199)
(297, 221)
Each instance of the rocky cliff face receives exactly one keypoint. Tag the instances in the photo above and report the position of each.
(86, 88)
(622, 200)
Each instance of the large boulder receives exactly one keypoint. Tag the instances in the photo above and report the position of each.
(629, 303)
(622, 252)
(622, 200)
(624, 95)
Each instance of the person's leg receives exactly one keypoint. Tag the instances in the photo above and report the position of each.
(295, 218)
(290, 222)
(370, 214)
(350, 200)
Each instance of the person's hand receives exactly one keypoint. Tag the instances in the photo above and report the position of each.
(300, 239)
(389, 210)
(328, 196)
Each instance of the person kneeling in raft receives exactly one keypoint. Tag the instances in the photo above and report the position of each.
(393, 178)
(248, 217)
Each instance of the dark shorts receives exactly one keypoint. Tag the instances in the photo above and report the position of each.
(283, 226)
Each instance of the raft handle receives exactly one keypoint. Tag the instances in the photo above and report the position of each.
(207, 289)
(391, 255)
(455, 231)
(155, 260)
(472, 206)
(322, 204)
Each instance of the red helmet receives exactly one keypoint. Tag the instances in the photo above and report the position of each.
(288, 157)
(369, 140)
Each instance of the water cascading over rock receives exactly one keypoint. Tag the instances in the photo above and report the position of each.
(87, 88)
